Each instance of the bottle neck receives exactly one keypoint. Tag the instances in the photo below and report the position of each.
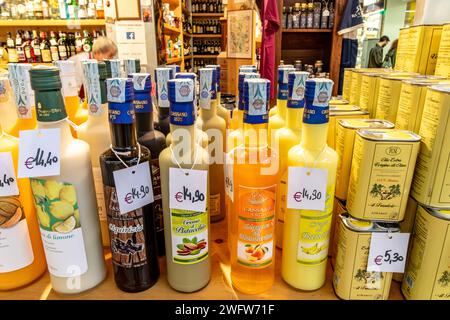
(294, 118)
(281, 108)
(144, 122)
(314, 136)
(183, 139)
(255, 135)
(63, 125)
(240, 118)
(208, 110)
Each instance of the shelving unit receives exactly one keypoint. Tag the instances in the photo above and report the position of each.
(207, 15)
(171, 30)
(205, 56)
(172, 33)
(53, 23)
(207, 35)
(174, 60)
(306, 30)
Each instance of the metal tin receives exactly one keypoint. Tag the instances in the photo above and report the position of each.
(443, 59)
(338, 114)
(427, 275)
(351, 281)
(382, 170)
(338, 209)
(338, 101)
(347, 83)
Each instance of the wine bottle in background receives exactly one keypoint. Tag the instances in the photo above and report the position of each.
(36, 44)
(46, 52)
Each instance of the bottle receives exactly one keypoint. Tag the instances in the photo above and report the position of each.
(46, 53)
(11, 47)
(284, 19)
(155, 141)
(254, 191)
(87, 41)
(54, 9)
(221, 110)
(63, 9)
(193, 272)
(36, 44)
(19, 48)
(27, 48)
(7, 115)
(72, 9)
(91, 10)
(331, 17)
(54, 47)
(131, 66)
(290, 18)
(37, 8)
(306, 232)
(62, 46)
(287, 137)
(325, 15)
(100, 9)
(310, 16)
(303, 15)
(30, 9)
(296, 16)
(162, 75)
(78, 42)
(75, 262)
(82, 11)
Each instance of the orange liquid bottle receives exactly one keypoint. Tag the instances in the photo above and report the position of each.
(254, 192)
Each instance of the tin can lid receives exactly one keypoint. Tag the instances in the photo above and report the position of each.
(439, 213)
(344, 107)
(389, 135)
(387, 226)
(355, 123)
(445, 88)
(337, 101)
(356, 224)
(348, 113)
(424, 81)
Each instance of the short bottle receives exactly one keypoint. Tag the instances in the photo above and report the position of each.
(162, 75)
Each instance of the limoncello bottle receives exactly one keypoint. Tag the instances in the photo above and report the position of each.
(273, 111)
(221, 110)
(8, 116)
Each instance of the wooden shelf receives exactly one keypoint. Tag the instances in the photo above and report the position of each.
(187, 34)
(207, 35)
(218, 288)
(174, 60)
(53, 23)
(188, 57)
(5, 65)
(306, 30)
(205, 56)
(207, 15)
(171, 30)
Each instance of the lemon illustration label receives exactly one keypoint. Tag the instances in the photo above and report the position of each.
(15, 244)
(256, 226)
(59, 220)
(314, 237)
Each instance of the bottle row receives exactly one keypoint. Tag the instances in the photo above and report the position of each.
(207, 6)
(206, 27)
(311, 14)
(212, 47)
(315, 70)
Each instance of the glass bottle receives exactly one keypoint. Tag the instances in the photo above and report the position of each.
(284, 18)
(304, 15)
(46, 52)
(296, 16)
(62, 46)
(27, 48)
(290, 18)
(100, 9)
(11, 47)
(38, 11)
(162, 75)
(310, 16)
(221, 110)
(19, 48)
(8, 116)
(72, 9)
(36, 44)
(54, 47)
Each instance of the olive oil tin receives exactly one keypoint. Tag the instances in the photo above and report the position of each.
(431, 185)
(347, 83)
(382, 170)
(443, 59)
(401, 49)
(336, 115)
(338, 209)
(355, 88)
(427, 275)
(345, 132)
(338, 101)
(351, 280)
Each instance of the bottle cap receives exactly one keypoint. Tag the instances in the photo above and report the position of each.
(45, 78)
(142, 84)
(186, 75)
(297, 82)
(283, 73)
(242, 78)
(217, 68)
(120, 95)
(174, 69)
(208, 87)
(256, 99)
(317, 97)
(94, 95)
(162, 75)
(19, 78)
(181, 97)
(102, 70)
(132, 66)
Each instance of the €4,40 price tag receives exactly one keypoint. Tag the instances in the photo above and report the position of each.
(388, 252)
(187, 189)
(8, 181)
(307, 188)
(39, 153)
(134, 187)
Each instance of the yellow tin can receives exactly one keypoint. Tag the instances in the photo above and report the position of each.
(431, 185)
(336, 101)
(427, 275)
(351, 280)
(423, 48)
(347, 83)
(336, 115)
(345, 132)
(401, 49)
(382, 170)
(443, 59)
(338, 209)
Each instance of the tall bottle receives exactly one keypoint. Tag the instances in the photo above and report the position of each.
(162, 75)
(95, 131)
(54, 47)
(221, 110)
(131, 66)
(188, 261)
(215, 127)
(154, 140)
(286, 138)
(36, 44)
(66, 203)
(306, 232)
(45, 49)
(132, 234)
(254, 192)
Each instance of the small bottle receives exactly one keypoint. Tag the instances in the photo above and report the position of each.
(290, 18)
(284, 18)
(310, 16)
(303, 15)
(36, 44)
(11, 47)
(325, 15)
(54, 47)
(45, 49)
(221, 110)
(331, 17)
(296, 16)
(62, 46)
(162, 75)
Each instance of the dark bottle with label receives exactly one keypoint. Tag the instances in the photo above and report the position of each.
(132, 234)
(162, 75)
(154, 140)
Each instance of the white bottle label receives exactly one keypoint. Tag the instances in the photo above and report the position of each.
(307, 188)
(187, 189)
(8, 181)
(20, 83)
(162, 76)
(184, 92)
(229, 179)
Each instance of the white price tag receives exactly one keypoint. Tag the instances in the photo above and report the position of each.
(134, 187)
(187, 189)
(8, 181)
(388, 252)
(39, 153)
(307, 188)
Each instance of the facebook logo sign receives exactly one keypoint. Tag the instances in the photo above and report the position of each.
(131, 36)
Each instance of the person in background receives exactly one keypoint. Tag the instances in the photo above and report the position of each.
(389, 59)
(376, 53)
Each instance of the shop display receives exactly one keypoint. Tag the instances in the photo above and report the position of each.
(310, 14)
(203, 6)
(206, 27)
(443, 57)
(277, 114)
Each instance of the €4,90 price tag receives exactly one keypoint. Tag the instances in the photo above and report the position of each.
(187, 189)
(8, 181)
(388, 252)
(307, 188)
(134, 187)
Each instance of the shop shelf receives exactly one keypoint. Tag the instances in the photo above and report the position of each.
(53, 23)
(174, 60)
(205, 56)
(306, 30)
(206, 35)
(207, 15)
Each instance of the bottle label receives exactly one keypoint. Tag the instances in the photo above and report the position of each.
(130, 66)
(183, 92)
(46, 55)
(54, 52)
(297, 91)
(59, 220)
(121, 113)
(256, 226)
(8, 180)
(69, 86)
(16, 251)
(20, 81)
(189, 236)
(142, 102)
(37, 50)
(214, 205)
(322, 94)
(126, 232)
(162, 76)
(157, 204)
(257, 104)
(116, 90)
(4, 97)
(62, 52)
(207, 89)
(12, 55)
(98, 183)
(140, 81)
(115, 68)
(283, 91)
(93, 89)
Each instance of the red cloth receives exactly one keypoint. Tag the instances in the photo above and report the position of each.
(271, 23)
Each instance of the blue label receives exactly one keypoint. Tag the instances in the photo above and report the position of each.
(182, 114)
(121, 113)
(283, 91)
(257, 101)
(142, 102)
(315, 114)
(255, 119)
(296, 104)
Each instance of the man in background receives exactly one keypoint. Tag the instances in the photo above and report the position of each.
(376, 53)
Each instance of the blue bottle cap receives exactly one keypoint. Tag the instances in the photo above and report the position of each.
(256, 100)
(186, 75)
(142, 84)
(174, 69)
(181, 97)
(162, 75)
(120, 94)
(283, 82)
(317, 97)
(242, 77)
(297, 83)
(208, 86)
(217, 68)
(132, 65)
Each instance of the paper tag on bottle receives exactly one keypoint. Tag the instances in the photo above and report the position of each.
(187, 189)
(388, 252)
(307, 188)
(39, 153)
(8, 181)
(134, 187)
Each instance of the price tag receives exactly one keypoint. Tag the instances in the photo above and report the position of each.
(187, 189)
(8, 181)
(134, 187)
(39, 153)
(388, 252)
(307, 188)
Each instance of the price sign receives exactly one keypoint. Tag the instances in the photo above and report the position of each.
(8, 181)
(187, 189)
(388, 252)
(134, 187)
(307, 188)
(39, 153)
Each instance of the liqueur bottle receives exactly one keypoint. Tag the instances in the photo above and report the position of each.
(162, 75)
(221, 110)
(131, 66)
(8, 116)
(132, 234)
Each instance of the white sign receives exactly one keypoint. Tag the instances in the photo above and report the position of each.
(134, 187)
(187, 189)
(131, 40)
(39, 153)
(307, 188)
(8, 181)
(388, 252)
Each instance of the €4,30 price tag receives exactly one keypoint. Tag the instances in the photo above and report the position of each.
(388, 252)
(8, 181)
(307, 188)
(187, 189)
(39, 153)
(134, 187)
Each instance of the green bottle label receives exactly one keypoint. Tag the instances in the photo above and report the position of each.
(50, 106)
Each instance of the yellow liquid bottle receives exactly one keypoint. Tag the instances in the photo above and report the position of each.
(22, 257)
(306, 232)
(286, 138)
(222, 112)
(8, 116)
(255, 171)
(236, 119)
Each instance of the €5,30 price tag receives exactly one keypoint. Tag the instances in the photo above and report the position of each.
(388, 252)
(39, 153)
(307, 188)
(187, 189)
(134, 187)
(8, 181)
